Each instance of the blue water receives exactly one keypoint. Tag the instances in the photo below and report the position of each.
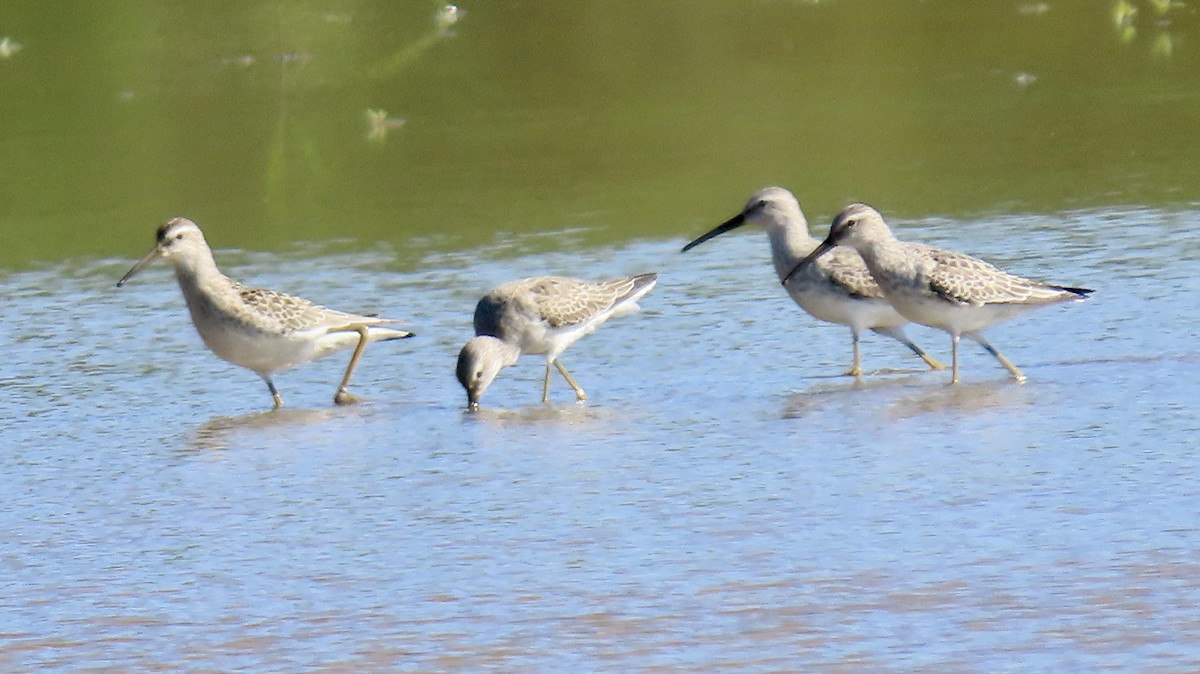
(722, 503)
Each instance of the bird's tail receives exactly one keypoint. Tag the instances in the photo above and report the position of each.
(377, 333)
(1079, 293)
(642, 284)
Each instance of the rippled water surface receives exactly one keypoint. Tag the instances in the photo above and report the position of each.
(722, 503)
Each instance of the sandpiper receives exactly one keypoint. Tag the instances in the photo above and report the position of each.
(541, 315)
(838, 289)
(263, 330)
(939, 288)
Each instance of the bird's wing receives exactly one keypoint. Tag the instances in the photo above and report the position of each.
(280, 312)
(847, 271)
(963, 279)
(563, 302)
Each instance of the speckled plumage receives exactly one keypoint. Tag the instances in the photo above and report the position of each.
(838, 288)
(263, 330)
(844, 272)
(559, 301)
(541, 315)
(939, 288)
(280, 313)
(970, 281)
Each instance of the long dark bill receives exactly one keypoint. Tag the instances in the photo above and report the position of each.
(732, 223)
(820, 250)
(149, 257)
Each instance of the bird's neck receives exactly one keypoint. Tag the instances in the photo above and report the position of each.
(789, 244)
(885, 253)
(509, 353)
(199, 278)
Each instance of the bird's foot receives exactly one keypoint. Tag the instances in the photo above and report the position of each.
(345, 397)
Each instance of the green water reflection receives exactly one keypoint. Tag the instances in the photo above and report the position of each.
(619, 118)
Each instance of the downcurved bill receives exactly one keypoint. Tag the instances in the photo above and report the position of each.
(732, 223)
(153, 255)
(820, 250)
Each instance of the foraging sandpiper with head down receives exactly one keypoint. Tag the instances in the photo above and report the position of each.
(541, 315)
(837, 289)
(262, 330)
(939, 288)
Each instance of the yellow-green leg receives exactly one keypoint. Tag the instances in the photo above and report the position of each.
(1008, 365)
(856, 366)
(274, 393)
(343, 395)
(933, 364)
(898, 335)
(954, 366)
(579, 394)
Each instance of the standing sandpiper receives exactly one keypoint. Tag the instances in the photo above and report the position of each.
(541, 315)
(262, 330)
(940, 288)
(837, 289)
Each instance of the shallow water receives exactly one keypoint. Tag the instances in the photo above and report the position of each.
(722, 503)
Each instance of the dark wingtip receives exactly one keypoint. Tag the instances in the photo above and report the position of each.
(640, 281)
(1081, 292)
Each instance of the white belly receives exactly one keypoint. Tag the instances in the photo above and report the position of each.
(266, 353)
(859, 314)
(954, 318)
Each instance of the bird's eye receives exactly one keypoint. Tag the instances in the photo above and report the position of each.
(179, 236)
